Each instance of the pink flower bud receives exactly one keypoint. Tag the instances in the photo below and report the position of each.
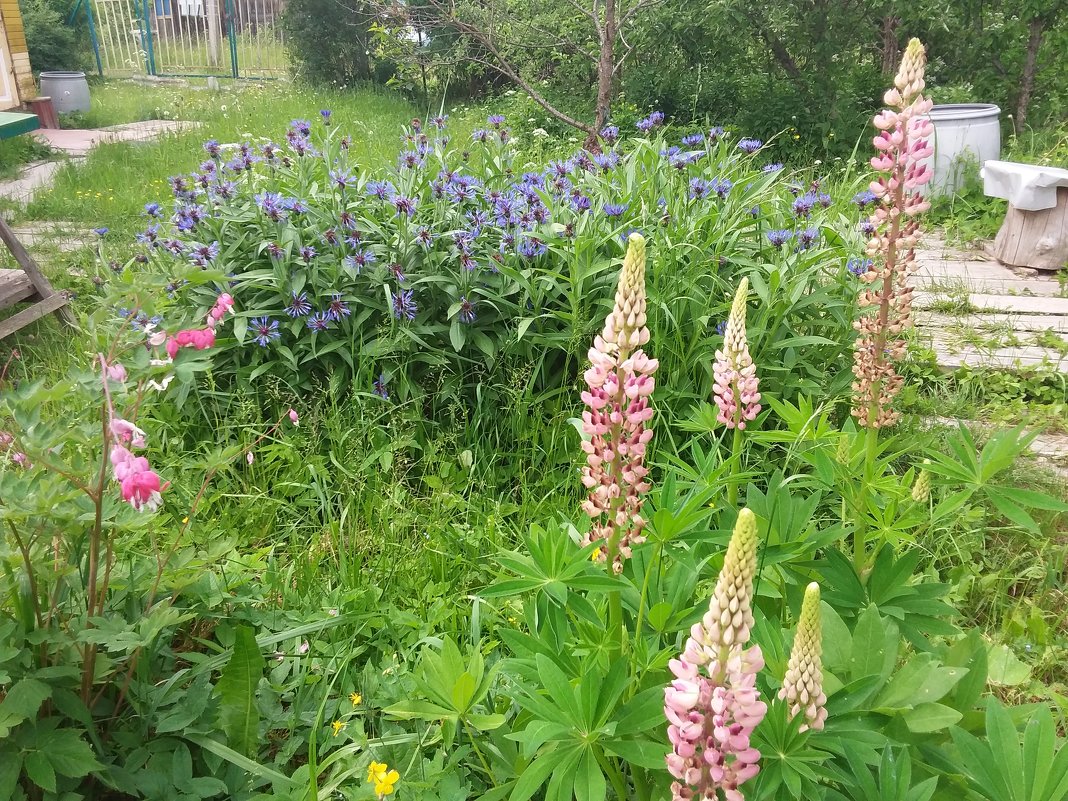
(293, 417)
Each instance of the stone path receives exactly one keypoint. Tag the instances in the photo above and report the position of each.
(76, 144)
(976, 312)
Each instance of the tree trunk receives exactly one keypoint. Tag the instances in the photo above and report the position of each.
(606, 69)
(890, 45)
(1027, 79)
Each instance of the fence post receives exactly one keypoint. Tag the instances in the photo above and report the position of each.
(231, 31)
(146, 36)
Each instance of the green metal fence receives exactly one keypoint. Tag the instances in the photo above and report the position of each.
(231, 38)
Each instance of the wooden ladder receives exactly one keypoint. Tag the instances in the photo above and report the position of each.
(27, 283)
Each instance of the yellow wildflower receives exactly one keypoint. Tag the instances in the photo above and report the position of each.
(383, 778)
(337, 726)
(595, 555)
(356, 699)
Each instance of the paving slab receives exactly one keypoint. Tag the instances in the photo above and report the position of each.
(78, 142)
(952, 354)
(1022, 304)
(31, 179)
(63, 235)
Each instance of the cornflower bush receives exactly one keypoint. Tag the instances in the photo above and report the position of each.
(441, 277)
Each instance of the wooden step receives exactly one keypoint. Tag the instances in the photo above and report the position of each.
(15, 286)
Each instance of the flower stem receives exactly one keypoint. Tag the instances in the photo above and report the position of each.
(736, 463)
(860, 529)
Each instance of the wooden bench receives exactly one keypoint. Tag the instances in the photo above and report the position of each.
(27, 283)
(1035, 231)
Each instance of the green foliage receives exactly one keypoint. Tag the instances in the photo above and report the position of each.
(53, 44)
(331, 44)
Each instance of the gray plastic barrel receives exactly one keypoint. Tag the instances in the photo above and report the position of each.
(69, 90)
(965, 135)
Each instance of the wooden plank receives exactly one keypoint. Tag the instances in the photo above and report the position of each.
(26, 262)
(14, 124)
(1021, 323)
(55, 303)
(1025, 304)
(15, 286)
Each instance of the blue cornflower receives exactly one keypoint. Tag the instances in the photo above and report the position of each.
(302, 127)
(320, 321)
(467, 310)
(773, 167)
(383, 190)
(274, 250)
(858, 265)
(580, 202)
(398, 272)
(692, 140)
(325, 114)
(480, 135)
(411, 159)
(755, 211)
(404, 205)
(530, 247)
(201, 255)
(780, 237)
(824, 200)
(806, 237)
(495, 120)
(439, 121)
(716, 132)
(360, 259)
(175, 246)
(867, 227)
(750, 145)
(338, 308)
(264, 329)
(149, 236)
(803, 205)
(380, 388)
(721, 327)
(342, 178)
(212, 148)
(616, 209)
(606, 161)
(153, 210)
(425, 236)
(272, 205)
(721, 186)
(404, 305)
(699, 188)
(307, 253)
(298, 305)
(864, 199)
(610, 133)
(650, 122)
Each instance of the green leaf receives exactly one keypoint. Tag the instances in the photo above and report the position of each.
(869, 642)
(68, 753)
(21, 703)
(643, 753)
(40, 771)
(930, 717)
(240, 760)
(1005, 668)
(10, 769)
(238, 716)
(590, 784)
(421, 710)
(534, 776)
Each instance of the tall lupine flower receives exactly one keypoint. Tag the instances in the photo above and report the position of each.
(620, 382)
(713, 706)
(734, 373)
(902, 146)
(802, 688)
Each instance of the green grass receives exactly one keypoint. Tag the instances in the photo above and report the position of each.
(112, 185)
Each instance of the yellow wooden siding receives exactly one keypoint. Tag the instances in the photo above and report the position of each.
(20, 64)
(16, 34)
